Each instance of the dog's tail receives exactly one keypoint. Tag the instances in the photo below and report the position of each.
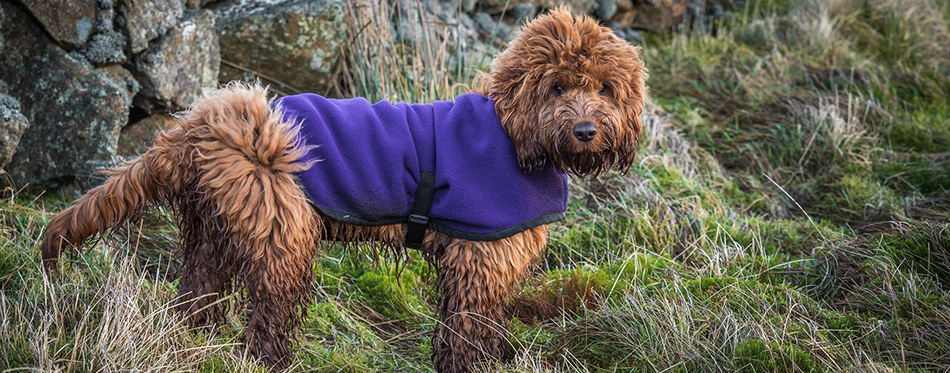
(149, 178)
(222, 146)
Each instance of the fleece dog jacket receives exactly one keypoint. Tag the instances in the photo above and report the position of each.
(371, 158)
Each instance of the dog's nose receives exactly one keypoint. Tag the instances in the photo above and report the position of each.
(585, 131)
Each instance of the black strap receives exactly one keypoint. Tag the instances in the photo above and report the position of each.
(419, 218)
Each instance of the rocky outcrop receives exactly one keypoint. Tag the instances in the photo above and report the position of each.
(178, 65)
(82, 25)
(12, 125)
(75, 113)
(122, 77)
(75, 71)
(658, 15)
(146, 20)
(667, 15)
(292, 43)
(197, 4)
(69, 22)
(625, 15)
(137, 137)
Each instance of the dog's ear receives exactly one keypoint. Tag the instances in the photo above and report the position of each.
(630, 94)
(515, 87)
(518, 109)
(628, 142)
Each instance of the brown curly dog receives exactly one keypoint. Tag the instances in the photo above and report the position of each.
(567, 92)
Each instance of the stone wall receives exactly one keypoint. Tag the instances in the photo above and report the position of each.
(85, 82)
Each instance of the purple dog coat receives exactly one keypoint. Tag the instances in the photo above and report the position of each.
(373, 157)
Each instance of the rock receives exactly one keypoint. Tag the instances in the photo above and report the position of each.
(292, 42)
(74, 112)
(104, 48)
(85, 25)
(136, 138)
(121, 77)
(576, 6)
(467, 6)
(658, 15)
(524, 12)
(490, 27)
(144, 20)
(605, 9)
(457, 31)
(717, 8)
(12, 126)
(69, 22)
(633, 36)
(667, 15)
(198, 4)
(496, 6)
(178, 65)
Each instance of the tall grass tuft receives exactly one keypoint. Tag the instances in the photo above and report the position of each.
(402, 51)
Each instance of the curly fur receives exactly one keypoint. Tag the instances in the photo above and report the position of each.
(582, 57)
(228, 170)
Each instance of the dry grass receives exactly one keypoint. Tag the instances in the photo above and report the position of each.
(786, 214)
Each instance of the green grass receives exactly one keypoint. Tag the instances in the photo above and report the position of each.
(787, 213)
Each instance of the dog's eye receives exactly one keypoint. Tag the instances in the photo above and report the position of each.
(558, 90)
(604, 89)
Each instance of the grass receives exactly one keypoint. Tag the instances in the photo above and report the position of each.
(787, 213)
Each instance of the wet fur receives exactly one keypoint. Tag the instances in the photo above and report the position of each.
(228, 170)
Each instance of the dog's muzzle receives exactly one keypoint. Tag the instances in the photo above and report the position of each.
(585, 131)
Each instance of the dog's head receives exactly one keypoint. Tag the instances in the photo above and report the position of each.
(569, 92)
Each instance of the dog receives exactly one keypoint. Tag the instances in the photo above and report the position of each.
(565, 97)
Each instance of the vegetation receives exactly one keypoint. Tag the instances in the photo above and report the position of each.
(788, 213)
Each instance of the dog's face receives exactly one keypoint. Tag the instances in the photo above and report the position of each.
(569, 92)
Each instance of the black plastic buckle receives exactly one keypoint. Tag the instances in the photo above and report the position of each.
(417, 230)
(418, 220)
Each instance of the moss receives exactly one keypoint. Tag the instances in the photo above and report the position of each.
(638, 268)
(756, 355)
(337, 360)
(331, 323)
(840, 322)
(393, 297)
(857, 198)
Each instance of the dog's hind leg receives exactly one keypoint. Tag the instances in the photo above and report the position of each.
(208, 266)
(247, 156)
(278, 246)
(274, 232)
(475, 279)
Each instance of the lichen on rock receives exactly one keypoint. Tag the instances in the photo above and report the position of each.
(74, 113)
(295, 42)
(145, 20)
(12, 126)
(174, 69)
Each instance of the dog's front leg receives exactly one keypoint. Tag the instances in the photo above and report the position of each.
(475, 279)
